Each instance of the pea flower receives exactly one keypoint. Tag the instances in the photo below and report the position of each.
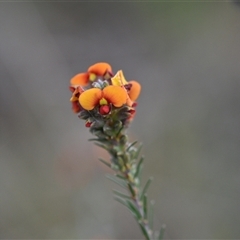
(133, 87)
(93, 97)
(101, 69)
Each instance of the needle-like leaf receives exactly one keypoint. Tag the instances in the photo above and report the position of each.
(146, 187)
(134, 209)
(131, 190)
(126, 204)
(138, 150)
(150, 215)
(101, 145)
(131, 145)
(121, 177)
(145, 211)
(144, 231)
(162, 231)
(121, 195)
(105, 162)
(122, 201)
(139, 166)
(117, 180)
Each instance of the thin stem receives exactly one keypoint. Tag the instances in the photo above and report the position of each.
(138, 203)
(134, 190)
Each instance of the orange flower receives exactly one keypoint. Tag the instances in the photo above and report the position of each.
(81, 79)
(133, 87)
(101, 69)
(95, 96)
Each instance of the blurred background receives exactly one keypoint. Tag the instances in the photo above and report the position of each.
(186, 57)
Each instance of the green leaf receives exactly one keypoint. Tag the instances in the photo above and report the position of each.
(117, 181)
(117, 125)
(93, 139)
(134, 209)
(97, 124)
(146, 187)
(131, 190)
(120, 200)
(140, 172)
(98, 133)
(115, 161)
(131, 145)
(92, 119)
(108, 130)
(123, 138)
(105, 162)
(121, 163)
(124, 115)
(162, 231)
(126, 204)
(114, 167)
(138, 150)
(102, 140)
(139, 166)
(144, 231)
(121, 195)
(123, 109)
(101, 145)
(150, 215)
(120, 112)
(121, 177)
(84, 115)
(145, 206)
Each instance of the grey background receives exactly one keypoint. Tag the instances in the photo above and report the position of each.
(186, 57)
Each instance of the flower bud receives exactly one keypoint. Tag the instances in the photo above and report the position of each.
(88, 124)
(104, 109)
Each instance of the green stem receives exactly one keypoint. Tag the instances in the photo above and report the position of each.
(134, 188)
(139, 204)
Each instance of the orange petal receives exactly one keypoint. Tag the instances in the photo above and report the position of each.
(80, 79)
(135, 90)
(129, 101)
(116, 95)
(90, 98)
(100, 68)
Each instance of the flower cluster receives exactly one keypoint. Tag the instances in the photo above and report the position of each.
(100, 97)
